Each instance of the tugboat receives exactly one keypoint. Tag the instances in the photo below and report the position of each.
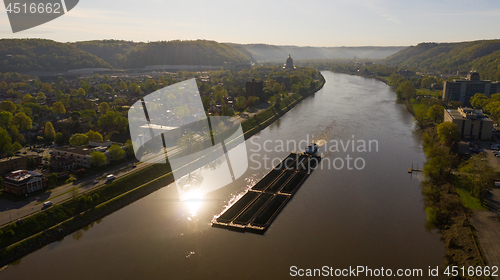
(312, 149)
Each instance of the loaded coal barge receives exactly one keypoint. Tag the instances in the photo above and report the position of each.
(256, 209)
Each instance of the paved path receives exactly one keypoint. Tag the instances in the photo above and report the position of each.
(487, 225)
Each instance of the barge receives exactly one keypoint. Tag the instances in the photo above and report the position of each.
(261, 204)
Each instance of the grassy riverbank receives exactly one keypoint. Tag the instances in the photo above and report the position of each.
(36, 231)
(448, 187)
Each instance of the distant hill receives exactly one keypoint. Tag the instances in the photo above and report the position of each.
(263, 52)
(482, 56)
(199, 52)
(111, 51)
(27, 55)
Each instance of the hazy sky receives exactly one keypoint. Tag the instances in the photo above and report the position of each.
(279, 22)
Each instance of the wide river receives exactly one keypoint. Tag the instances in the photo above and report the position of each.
(370, 214)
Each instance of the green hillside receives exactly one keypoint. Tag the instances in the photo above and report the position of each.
(111, 51)
(27, 55)
(199, 52)
(482, 56)
(263, 52)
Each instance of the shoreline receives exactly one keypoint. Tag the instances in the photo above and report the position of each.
(56, 232)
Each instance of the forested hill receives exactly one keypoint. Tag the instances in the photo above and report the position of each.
(263, 52)
(27, 55)
(199, 52)
(111, 51)
(482, 56)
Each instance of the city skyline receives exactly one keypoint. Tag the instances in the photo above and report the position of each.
(317, 23)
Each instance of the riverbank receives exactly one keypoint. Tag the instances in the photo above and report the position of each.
(18, 240)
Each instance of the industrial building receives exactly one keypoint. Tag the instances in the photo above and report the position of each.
(472, 124)
(464, 90)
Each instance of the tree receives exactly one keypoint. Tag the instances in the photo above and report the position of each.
(58, 108)
(21, 139)
(8, 106)
(81, 92)
(27, 98)
(241, 102)
(3, 85)
(112, 120)
(78, 140)
(16, 146)
(436, 112)
(40, 97)
(130, 147)
(120, 123)
(428, 81)
(5, 141)
(5, 118)
(253, 100)
(277, 101)
(448, 133)
(89, 115)
(277, 88)
(49, 131)
(226, 111)
(479, 100)
(93, 135)
(295, 79)
(116, 152)
(22, 121)
(97, 158)
(47, 88)
(75, 115)
(406, 90)
(59, 139)
(104, 108)
(52, 179)
(206, 103)
(122, 85)
(479, 175)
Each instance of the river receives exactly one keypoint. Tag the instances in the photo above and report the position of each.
(370, 214)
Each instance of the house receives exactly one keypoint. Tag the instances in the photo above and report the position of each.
(22, 182)
(12, 163)
(63, 162)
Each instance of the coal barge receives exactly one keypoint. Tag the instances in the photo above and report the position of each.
(256, 209)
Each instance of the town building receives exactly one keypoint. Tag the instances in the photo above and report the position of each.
(12, 163)
(289, 63)
(463, 90)
(22, 182)
(81, 155)
(63, 162)
(472, 124)
(254, 88)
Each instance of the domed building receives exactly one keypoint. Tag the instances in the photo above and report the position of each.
(289, 63)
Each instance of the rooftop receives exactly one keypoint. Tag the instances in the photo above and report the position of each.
(82, 150)
(466, 113)
(22, 176)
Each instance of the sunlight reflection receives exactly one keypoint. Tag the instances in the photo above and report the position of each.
(193, 201)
